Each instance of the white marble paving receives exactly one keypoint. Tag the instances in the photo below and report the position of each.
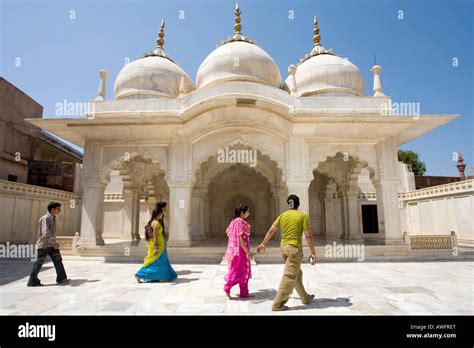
(381, 288)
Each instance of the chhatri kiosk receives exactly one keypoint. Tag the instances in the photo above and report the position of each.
(239, 134)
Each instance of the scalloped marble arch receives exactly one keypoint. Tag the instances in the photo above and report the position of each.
(363, 162)
(212, 152)
(118, 164)
(255, 171)
(353, 174)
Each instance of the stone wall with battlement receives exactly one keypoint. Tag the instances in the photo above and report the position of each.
(440, 210)
(22, 205)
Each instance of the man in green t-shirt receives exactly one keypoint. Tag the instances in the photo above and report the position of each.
(293, 223)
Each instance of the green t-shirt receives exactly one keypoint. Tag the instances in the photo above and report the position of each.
(292, 223)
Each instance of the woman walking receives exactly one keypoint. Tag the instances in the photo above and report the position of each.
(156, 266)
(238, 253)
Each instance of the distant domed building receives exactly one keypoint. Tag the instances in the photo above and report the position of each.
(239, 134)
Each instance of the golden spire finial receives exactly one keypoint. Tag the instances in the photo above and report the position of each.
(238, 30)
(316, 37)
(237, 26)
(161, 41)
(317, 48)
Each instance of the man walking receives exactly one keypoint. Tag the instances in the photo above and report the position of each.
(293, 223)
(47, 245)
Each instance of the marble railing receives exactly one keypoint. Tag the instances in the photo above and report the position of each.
(431, 241)
(460, 187)
(26, 189)
(465, 186)
(113, 197)
(118, 197)
(370, 196)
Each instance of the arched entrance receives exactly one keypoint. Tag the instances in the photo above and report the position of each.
(134, 185)
(221, 186)
(236, 185)
(335, 209)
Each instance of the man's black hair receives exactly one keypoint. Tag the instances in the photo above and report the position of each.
(53, 205)
(293, 201)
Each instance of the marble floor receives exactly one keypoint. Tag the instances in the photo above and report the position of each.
(369, 288)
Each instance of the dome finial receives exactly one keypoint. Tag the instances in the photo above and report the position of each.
(238, 29)
(159, 51)
(317, 47)
(161, 41)
(237, 26)
(316, 36)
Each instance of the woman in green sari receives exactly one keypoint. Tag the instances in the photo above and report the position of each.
(156, 266)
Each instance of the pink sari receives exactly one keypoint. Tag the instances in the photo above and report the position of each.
(239, 266)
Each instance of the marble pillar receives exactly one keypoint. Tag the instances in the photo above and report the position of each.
(354, 231)
(92, 215)
(127, 216)
(388, 212)
(131, 216)
(135, 215)
(179, 209)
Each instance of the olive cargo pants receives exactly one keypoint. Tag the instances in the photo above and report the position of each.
(292, 277)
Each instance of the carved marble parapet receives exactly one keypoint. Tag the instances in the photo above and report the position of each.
(43, 192)
(431, 241)
(460, 187)
(369, 196)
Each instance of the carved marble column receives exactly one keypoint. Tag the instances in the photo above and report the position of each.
(329, 211)
(344, 215)
(205, 214)
(353, 218)
(127, 216)
(388, 211)
(135, 215)
(131, 217)
(93, 189)
(386, 186)
(354, 231)
(92, 214)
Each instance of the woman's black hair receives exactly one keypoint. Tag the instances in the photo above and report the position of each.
(240, 209)
(154, 215)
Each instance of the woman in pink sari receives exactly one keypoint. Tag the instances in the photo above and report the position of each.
(238, 253)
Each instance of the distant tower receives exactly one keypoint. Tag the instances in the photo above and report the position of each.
(461, 166)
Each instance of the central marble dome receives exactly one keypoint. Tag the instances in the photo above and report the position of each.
(238, 59)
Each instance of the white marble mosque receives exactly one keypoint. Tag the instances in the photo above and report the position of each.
(239, 133)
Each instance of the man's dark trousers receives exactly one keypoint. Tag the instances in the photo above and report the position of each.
(57, 261)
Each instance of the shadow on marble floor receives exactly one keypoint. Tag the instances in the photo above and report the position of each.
(321, 303)
(79, 282)
(186, 272)
(183, 280)
(74, 282)
(256, 296)
(12, 271)
(263, 295)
